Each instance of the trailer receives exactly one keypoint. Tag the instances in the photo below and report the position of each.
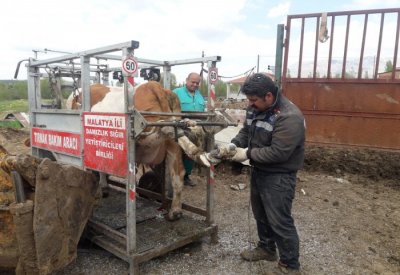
(136, 233)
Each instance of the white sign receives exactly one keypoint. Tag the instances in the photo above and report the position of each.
(213, 75)
(129, 65)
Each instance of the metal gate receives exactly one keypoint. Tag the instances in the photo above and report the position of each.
(340, 68)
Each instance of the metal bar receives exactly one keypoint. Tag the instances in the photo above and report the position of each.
(330, 48)
(286, 54)
(378, 53)
(108, 245)
(316, 48)
(200, 123)
(189, 114)
(301, 48)
(90, 53)
(346, 44)
(156, 196)
(116, 188)
(138, 59)
(63, 65)
(108, 231)
(362, 47)
(131, 245)
(279, 52)
(396, 47)
(194, 60)
(343, 13)
(210, 142)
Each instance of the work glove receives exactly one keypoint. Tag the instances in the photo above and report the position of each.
(241, 155)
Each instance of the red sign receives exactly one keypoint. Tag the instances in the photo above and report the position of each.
(105, 142)
(62, 142)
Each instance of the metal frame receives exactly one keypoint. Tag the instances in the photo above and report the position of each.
(123, 246)
(334, 16)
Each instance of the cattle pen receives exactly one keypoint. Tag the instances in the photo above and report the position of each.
(134, 230)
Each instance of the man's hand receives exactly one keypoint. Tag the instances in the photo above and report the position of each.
(241, 155)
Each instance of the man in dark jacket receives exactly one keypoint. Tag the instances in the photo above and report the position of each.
(272, 138)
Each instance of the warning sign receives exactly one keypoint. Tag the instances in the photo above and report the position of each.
(213, 75)
(129, 66)
(62, 142)
(105, 142)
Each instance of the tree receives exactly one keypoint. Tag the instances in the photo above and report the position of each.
(173, 84)
(13, 90)
(220, 89)
(389, 66)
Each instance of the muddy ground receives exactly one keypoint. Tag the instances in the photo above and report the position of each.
(347, 211)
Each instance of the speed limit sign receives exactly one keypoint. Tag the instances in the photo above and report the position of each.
(213, 75)
(129, 65)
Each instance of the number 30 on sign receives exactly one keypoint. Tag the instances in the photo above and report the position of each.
(129, 65)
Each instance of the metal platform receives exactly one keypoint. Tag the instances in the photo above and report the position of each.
(155, 236)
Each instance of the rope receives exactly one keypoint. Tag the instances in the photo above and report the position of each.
(246, 72)
(221, 76)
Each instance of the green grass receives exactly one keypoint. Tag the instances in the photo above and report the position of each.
(10, 124)
(19, 105)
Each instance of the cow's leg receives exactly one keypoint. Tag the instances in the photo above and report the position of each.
(176, 172)
(193, 151)
(190, 149)
(103, 185)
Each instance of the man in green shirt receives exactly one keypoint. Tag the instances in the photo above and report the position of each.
(191, 101)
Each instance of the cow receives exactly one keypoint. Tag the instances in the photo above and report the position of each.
(155, 144)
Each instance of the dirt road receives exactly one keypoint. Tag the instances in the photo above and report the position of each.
(348, 222)
(347, 210)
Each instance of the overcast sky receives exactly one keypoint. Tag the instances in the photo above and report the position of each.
(237, 30)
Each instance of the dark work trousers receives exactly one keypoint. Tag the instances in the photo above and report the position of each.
(272, 195)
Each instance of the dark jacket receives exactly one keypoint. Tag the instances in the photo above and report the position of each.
(274, 138)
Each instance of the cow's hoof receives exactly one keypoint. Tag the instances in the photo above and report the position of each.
(173, 216)
(204, 160)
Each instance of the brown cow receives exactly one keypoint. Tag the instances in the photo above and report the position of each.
(155, 144)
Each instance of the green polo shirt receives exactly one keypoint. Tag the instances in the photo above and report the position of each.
(188, 101)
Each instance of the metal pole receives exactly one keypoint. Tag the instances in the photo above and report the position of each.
(210, 145)
(85, 82)
(279, 54)
(131, 245)
(167, 77)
